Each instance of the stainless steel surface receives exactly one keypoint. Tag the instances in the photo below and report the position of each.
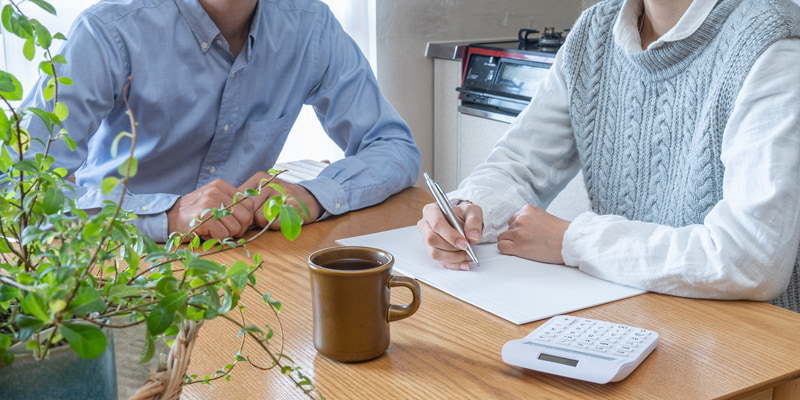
(486, 114)
(454, 50)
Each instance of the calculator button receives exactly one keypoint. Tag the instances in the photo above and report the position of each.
(567, 320)
(621, 352)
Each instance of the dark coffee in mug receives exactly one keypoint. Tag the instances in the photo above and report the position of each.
(351, 264)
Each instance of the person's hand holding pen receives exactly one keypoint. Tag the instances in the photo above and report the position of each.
(443, 242)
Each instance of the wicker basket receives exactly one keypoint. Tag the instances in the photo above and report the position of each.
(166, 383)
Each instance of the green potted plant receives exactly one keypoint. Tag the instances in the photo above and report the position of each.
(69, 278)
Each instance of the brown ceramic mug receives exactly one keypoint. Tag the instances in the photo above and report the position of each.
(350, 288)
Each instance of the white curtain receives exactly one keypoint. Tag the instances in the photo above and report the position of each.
(307, 139)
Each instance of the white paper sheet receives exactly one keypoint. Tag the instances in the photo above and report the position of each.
(512, 288)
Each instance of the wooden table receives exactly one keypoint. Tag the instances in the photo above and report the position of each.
(451, 350)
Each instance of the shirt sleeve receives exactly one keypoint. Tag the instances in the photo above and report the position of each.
(747, 245)
(99, 70)
(381, 157)
(533, 161)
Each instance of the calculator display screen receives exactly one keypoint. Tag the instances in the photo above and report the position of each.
(560, 360)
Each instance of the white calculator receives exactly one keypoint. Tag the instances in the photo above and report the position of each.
(581, 348)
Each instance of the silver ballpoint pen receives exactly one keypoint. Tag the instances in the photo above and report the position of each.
(447, 209)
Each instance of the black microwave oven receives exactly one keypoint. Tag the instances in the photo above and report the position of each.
(502, 77)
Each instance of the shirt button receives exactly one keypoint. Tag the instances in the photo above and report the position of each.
(212, 170)
(219, 42)
(338, 206)
(233, 75)
(226, 127)
(204, 45)
(144, 208)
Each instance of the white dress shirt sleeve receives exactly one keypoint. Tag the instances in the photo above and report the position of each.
(747, 246)
(531, 163)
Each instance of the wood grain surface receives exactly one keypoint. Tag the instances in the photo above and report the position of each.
(451, 350)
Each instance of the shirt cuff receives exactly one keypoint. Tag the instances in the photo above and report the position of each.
(570, 251)
(154, 225)
(329, 194)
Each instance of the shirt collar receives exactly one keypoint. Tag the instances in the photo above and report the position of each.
(204, 29)
(626, 27)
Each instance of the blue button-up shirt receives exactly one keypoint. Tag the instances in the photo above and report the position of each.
(204, 115)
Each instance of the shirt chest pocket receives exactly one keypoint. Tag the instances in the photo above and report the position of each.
(260, 144)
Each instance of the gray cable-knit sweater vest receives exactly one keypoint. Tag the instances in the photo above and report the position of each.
(649, 126)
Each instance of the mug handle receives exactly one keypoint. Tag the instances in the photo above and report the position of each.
(396, 312)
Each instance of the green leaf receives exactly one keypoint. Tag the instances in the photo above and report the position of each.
(8, 293)
(159, 320)
(132, 258)
(124, 170)
(209, 244)
(44, 5)
(229, 300)
(29, 49)
(53, 201)
(6, 83)
(174, 302)
(49, 90)
(118, 293)
(203, 265)
(88, 341)
(6, 16)
(87, 301)
(47, 68)
(69, 142)
(5, 341)
(61, 111)
(291, 222)
(108, 184)
(275, 304)
(11, 91)
(58, 58)
(167, 285)
(48, 118)
(35, 305)
(272, 208)
(16, 23)
(237, 274)
(5, 125)
(148, 350)
(27, 325)
(64, 80)
(42, 35)
(161, 316)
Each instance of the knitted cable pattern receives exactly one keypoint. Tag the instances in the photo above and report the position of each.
(649, 125)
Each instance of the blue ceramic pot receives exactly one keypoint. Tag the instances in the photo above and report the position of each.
(64, 376)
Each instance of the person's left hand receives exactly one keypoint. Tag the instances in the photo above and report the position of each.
(292, 191)
(534, 234)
